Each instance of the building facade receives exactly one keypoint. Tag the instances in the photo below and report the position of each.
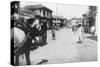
(43, 12)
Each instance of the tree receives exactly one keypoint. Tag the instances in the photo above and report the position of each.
(92, 15)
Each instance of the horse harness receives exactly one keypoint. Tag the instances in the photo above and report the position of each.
(23, 26)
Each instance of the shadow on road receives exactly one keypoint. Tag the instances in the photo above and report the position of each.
(43, 61)
(92, 37)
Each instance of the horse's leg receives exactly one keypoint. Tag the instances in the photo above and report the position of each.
(27, 55)
(17, 60)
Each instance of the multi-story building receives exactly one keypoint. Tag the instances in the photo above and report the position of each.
(42, 11)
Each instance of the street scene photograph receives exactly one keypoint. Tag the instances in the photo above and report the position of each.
(53, 33)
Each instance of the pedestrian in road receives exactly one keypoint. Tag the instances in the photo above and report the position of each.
(53, 32)
(73, 29)
(80, 34)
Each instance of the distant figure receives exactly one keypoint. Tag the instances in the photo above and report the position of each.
(93, 29)
(80, 34)
(53, 32)
(73, 29)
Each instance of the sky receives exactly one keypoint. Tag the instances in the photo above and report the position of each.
(67, 11)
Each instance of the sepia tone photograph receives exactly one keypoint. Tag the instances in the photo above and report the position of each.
(52, 33)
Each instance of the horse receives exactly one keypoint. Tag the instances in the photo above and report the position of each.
(22, 40)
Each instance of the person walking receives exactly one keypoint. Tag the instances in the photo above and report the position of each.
(53, 32)
(80, 34)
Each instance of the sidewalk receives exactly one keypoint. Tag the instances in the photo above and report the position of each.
(87, 35)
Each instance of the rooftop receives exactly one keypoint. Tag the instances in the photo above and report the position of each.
(34, 7)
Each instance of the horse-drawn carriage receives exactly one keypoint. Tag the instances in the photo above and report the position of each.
(27, 32)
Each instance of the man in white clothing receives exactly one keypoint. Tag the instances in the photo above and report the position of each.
(80, 34)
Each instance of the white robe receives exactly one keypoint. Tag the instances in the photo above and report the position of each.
(79, 34)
